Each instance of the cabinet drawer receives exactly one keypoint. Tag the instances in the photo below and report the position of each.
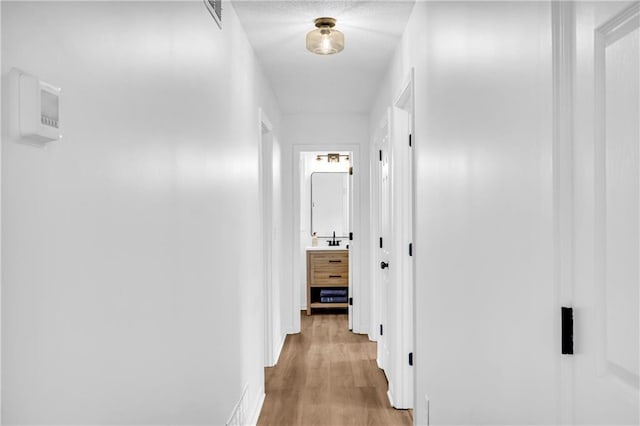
(331, 268)
(331, 278)
(323, 260)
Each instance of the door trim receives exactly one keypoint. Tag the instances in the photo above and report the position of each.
(403, 188)
(564, 58)
(266, 214)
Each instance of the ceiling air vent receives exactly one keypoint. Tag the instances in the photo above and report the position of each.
(215, 8)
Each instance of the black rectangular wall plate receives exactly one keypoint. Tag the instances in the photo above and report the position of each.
(567, 330)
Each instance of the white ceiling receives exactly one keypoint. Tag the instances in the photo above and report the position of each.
(306, 83)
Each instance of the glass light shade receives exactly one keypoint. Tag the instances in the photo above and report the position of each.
(325, 41)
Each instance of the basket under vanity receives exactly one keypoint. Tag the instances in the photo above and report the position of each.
(327, 270)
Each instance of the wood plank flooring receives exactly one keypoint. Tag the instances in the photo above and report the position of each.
(328, 376)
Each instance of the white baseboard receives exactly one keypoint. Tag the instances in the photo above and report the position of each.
(390, 397)
(239, 411)
(255, 414)
(276, 357)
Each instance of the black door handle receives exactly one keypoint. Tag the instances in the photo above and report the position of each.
(384, 265)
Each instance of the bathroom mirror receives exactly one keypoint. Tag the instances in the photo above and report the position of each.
(330, 204)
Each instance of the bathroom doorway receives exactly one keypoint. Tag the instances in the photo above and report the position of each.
(326, 201)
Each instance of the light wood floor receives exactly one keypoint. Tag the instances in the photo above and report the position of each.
(328, 376)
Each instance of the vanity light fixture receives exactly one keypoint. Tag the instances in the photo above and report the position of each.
(325, 40)
(332, 157)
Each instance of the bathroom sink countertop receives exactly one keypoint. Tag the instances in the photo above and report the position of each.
(341, 247)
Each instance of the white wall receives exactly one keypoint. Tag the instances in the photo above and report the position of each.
(486, 317)
(316, 130)
(130, 288)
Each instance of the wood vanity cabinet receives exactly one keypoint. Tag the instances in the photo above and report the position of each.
(328, 270)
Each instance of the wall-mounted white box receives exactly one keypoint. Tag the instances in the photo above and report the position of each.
(37, 105)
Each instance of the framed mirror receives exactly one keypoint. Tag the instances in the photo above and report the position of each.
(330, 204)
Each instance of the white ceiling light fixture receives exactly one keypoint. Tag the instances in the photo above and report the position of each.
(325, 40)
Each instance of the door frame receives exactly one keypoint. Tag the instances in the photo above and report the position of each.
(403, 184)
(564, 57)
(265, 151)
(354, 249)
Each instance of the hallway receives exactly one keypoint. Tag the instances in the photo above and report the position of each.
(327, 375)
(158, 212)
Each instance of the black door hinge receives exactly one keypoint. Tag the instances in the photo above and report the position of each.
(410, 358)
(350, 236)
(380, 242)
(567, 330)
(380, 153)
(381, 330)
(350, 170)
(409, 139)
(410, 249)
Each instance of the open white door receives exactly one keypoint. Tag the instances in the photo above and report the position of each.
(607, 226)
(402, 142)
(399, 289)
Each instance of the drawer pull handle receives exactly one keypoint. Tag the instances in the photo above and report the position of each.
(335, 276)
(335, 261)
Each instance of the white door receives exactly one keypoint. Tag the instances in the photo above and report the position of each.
(384, 227)
(400, 289)
(351, 241)
(606, 245)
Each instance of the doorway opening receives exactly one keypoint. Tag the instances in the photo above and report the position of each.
(326, 200)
